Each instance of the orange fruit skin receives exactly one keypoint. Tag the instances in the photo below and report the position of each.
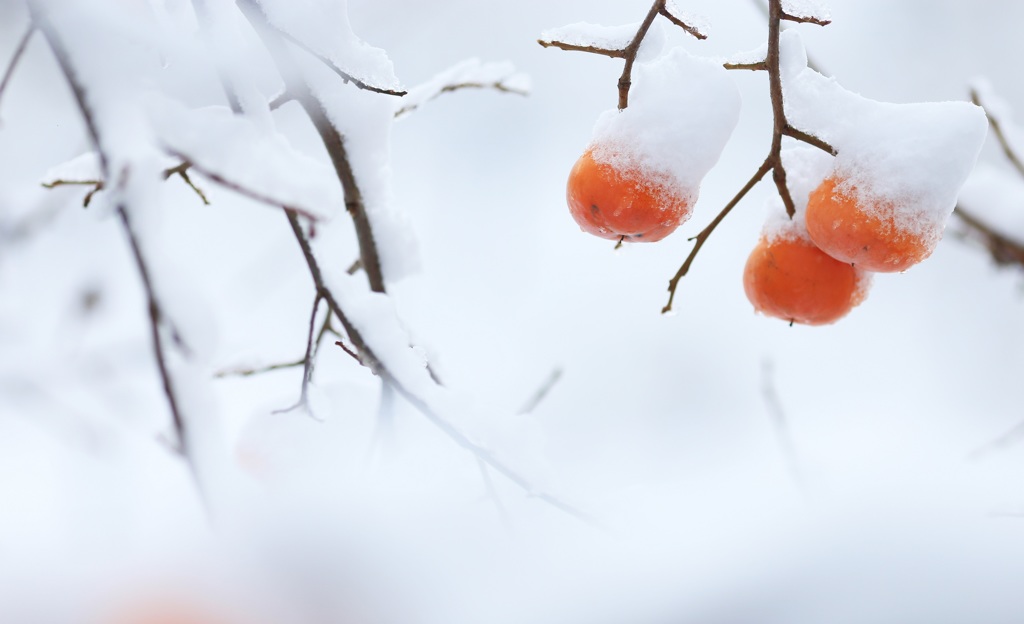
(873, 241)
(612, 204)
(791, 279)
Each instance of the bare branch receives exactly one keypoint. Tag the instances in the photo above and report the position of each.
(758, 66)
(97, 186)
(1000, 134)
(307, 363)
(561, 45)
(805, 19)
(19, 50)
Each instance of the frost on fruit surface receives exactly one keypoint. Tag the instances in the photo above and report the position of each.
(906, 161)
(670, 131)
(243, 153)
(816, 9)
(471, 73)
(996, 197)
(323, 26)
(587, 35)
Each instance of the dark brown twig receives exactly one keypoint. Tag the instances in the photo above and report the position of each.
(181, 170)
(499, 86)
(19, 50)
(347, 77)
(659, 7)
(233, 186)
(773, 162)
(156, 316)
(331, 137)
(307, 363)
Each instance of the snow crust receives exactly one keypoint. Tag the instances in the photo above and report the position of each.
(748, 57)
(700, 22)
(909, 160)
(671, 131)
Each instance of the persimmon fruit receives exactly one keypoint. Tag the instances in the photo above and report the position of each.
(789, 278)
(628, 204)
(872, 236)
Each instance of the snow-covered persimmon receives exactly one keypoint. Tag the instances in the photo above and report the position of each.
(613, 203)
(875, 235)
(787, 277)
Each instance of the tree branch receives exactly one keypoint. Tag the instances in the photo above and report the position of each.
(331, 137)
(659, 7)
(701, 238)
(498, 86)
(1000, 134)
(773, 162)
(345, 76)
(19, 50)
(156, 316)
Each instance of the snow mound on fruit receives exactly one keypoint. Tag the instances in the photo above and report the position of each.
(806, 168)
(909, 160)
(682, 110)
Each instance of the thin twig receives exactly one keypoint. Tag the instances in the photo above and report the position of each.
(238, 188)
(773, 162)
(347, 77)
(19, 50)
(497, 86)
(1000, 134)
(541, 393)
(629, 53)
(755, 66)
(492, 493)
(155, 315)
(181, 170)
(97, 186)
(331, 137)
(569, 47)
(307, 363)
(702, 237)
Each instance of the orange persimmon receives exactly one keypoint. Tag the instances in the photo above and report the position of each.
(628, 204)
(787, 277)
(873, 237)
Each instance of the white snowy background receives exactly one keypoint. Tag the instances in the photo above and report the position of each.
(662, 428)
